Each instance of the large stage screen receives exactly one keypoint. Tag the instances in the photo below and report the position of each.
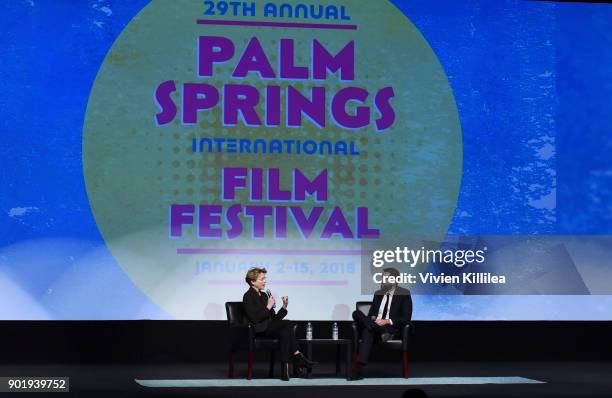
(153, 151)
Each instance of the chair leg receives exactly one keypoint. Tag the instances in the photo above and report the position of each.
(405, 364)
(354, 360)
(250, 365)
(272, 360)
(230, 370)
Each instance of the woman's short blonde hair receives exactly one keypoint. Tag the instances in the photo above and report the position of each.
(253, 273)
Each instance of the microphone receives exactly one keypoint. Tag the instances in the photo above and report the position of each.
(269, 293)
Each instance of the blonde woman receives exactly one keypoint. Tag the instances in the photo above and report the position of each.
(259, 308)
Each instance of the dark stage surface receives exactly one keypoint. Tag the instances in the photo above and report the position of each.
(563, 379)
(102, 358)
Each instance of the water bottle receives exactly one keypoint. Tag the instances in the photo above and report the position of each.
(335, 331)
(309, 331)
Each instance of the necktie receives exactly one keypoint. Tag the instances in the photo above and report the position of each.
(384, 316)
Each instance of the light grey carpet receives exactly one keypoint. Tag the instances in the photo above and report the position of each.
(416, 381)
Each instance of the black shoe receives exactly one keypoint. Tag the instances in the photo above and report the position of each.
(298, 372)
(357, 373)
(299, 367)
(385, 337)
(285, 371)
(301, 361)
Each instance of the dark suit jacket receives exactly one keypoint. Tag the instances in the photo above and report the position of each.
(400, 312)
(257, 312)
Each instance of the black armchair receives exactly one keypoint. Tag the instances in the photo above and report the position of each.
(242, 338)
(403, 344)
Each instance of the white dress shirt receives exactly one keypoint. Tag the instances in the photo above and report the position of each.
(382, 306)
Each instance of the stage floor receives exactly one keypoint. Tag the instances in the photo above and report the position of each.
(560, 379)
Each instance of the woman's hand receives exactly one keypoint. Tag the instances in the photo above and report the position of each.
(285, 301)
(271, 302)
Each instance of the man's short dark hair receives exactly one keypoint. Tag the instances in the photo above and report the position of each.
(391, 271)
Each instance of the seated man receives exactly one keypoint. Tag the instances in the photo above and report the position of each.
(391, 309)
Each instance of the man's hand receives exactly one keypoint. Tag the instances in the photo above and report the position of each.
(383, 322)
(271, 302)
(285, 301)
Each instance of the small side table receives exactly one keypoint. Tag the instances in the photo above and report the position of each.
(347, 343)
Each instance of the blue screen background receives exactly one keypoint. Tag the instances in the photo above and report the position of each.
(532, 81)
